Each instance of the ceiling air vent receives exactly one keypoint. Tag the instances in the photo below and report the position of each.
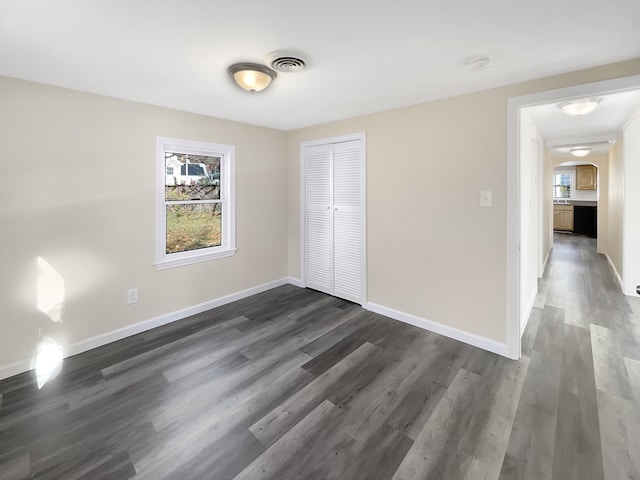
(286, 63)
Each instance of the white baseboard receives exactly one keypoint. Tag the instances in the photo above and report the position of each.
(296, 281)
(615, 271)
(451, 332)
(15, 368)
(525, 318)
(544, 263)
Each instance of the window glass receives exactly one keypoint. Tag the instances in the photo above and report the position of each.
(196, 211)
(562, 185)
(192, 177)
(193, 226)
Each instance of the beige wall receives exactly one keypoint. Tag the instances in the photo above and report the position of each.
(615, 207)
(432, 251)
(77, 173)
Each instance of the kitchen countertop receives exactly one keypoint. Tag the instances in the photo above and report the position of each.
(577, 203)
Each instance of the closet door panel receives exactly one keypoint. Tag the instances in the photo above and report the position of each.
(346, 174)
(347, 222)
(319, 218)
(347, 250)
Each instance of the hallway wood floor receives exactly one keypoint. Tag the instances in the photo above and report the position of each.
(294, 384)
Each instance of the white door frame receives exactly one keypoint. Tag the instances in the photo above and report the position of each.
(514, 105)
(361, 137)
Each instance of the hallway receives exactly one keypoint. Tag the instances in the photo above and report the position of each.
(579, 412)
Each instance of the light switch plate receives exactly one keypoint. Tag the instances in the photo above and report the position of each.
(486, 198)
(132, 296)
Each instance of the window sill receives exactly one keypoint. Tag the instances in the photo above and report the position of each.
(191, 259)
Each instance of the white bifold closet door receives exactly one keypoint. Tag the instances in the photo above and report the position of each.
(334, 219)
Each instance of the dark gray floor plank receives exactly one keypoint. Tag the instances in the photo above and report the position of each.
(620, 436)
(446, 426)
(633, 370)
(610, 369)
(309, 432)
(332, 338)
(415, 409)
(340, 348)
(577, 453)
(370, 408)
(388, 445)
(183, 440)
(280, 420)
(15, 466)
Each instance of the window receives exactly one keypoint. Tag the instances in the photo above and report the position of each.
(195, 202)
(562, 185)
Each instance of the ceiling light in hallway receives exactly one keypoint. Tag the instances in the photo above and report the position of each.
(580, 151)
(579, 107)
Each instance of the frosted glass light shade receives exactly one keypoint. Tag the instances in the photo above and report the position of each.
(579, 107)
(580, 151)
(252, 77)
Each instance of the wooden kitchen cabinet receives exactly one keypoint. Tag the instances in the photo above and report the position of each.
(563, 217)
(586, 177)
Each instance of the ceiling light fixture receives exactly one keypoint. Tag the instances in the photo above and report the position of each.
(580, 151)
(579, 107)
(252, 77)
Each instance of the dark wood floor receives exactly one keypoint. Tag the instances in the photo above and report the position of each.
(294, 384)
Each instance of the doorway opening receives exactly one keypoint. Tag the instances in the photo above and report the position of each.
(576, 193)
(530, 199)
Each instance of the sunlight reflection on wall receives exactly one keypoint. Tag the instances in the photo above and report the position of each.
(50, 289)
(50, 301)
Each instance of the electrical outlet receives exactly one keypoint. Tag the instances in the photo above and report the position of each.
(132, 296)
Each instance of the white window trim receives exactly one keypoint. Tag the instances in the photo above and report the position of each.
(227, 197)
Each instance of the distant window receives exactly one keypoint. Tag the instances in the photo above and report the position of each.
(562, 185)
(195, 169)
(195, 205)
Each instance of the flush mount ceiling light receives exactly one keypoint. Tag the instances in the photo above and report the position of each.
(252, 77)
(584, 148)
(580, 151)
(579, 107)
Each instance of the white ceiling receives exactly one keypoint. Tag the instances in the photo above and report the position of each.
(364, 56)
